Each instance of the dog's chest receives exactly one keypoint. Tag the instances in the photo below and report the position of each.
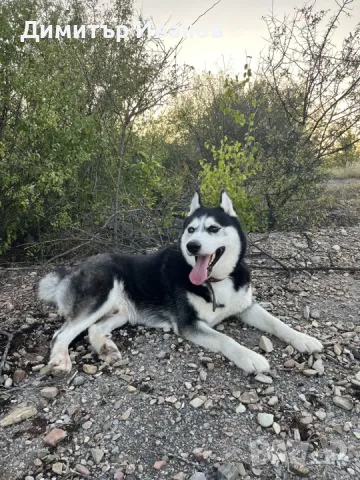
(229, 301)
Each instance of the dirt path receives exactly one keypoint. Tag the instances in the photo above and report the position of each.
(138, 420)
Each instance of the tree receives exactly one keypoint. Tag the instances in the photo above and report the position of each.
(302, 57)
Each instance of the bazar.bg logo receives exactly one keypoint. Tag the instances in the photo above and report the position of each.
(298, 454)
(118, 32)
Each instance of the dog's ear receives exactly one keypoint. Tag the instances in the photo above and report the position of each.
(226, 204)
(195, 203)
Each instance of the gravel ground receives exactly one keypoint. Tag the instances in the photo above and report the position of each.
(169, 410)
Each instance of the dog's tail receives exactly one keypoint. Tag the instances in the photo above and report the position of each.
(49, 284)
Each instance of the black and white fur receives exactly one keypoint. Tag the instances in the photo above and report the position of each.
(109, 290)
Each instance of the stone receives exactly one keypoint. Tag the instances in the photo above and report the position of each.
(345, 403)
(273, 400)
(49, 392)
(240, 408)
(198, 476)
(18, 415)
(318, 366)
(55, 436)
(265, 419)
(315, 314)
(97, 454)
(249, 397)
(266, 345)
(19, 376)
(89, 369)
(309, 372)
(306, 312)
(119, 474)
(299, 469)
(276, 427)
(337, 349)
(82, 470)
(260, 377)
(57, 468)
(8, 383)
(159, 464)
(203, 375)
(227, 471)
(78, 380)
(320, 414)
(197, 402)
(290, 363)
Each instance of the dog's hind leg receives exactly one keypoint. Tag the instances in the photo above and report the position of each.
(100, 337)
(258, 317)
(203, 335)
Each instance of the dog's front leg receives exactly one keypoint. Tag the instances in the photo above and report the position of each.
(201, 334)
(258, 317)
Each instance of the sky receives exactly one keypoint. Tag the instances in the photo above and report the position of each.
(244, 31)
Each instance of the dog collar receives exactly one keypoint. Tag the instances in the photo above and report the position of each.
(208, 282)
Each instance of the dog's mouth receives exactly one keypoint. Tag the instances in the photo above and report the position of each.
(204, 265)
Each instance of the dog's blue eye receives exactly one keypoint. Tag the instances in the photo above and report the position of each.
(213, 229)
(191, 229)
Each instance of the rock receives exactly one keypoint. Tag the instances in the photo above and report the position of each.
(337, 349)
(89, 369)
(203, 375)
(306, 418)
(197, 402)
(260, 377)
(162, 354)
(49, 392)
(19, 376)
(309, 372)
(306, 312)
(8, 383)
(29, 477)
(320, 414)
(119, 474)
(315, 314)
(57, 468)
(356, 353)
(343, 402)
(249, 397)
(273, 400)
(180, 476)
(319, 366)
(198, 476)
(276, 427)
(18, 415)
(336, 248)
(83, 470)
(265, 419)
(265, 344)
(97, 454)
(55, 436)
(240, 408)
(289, 363)
(78, 380)
(171, 399)
(159, 464)
(299, 469)
(227, 471)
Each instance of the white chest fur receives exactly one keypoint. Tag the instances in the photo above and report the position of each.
(234, 302)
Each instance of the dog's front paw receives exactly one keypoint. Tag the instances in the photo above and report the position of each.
(60, 363)
(253, 363)
(305, 344)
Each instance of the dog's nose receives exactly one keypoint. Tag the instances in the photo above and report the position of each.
(194, 247)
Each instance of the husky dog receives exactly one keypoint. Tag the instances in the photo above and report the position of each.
(188, 287)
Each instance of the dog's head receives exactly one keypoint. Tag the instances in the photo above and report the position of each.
(212, 240)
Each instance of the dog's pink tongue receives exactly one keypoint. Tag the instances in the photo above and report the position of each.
(199, 273)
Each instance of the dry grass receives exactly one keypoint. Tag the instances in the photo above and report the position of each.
(351, 171)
